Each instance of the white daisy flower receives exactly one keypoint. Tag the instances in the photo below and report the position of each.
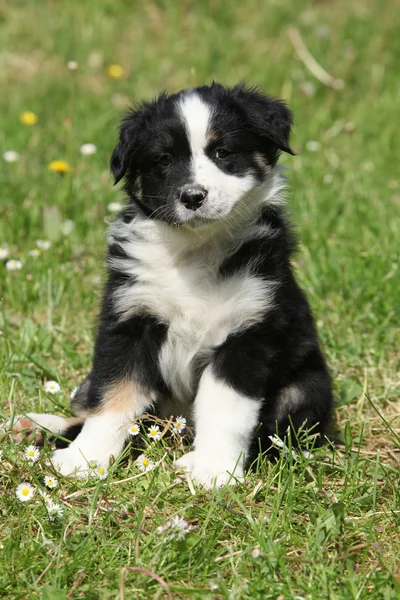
(177, 528)
(32, 453)
(67, 227)
(72, 65)
(154, 432)
(52, 387)
(43, 244)
(179, 425)
(50, 482)
(3, 253)
(313, 146)
(54, 510)
(11, 156)
(87, 149)
(35, 252)
(24, 492)
(100, 471)
(13, 265)
(144, 463)
(45, 495)
(114, 206)
(134, 429)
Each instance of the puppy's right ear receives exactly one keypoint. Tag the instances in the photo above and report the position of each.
(124, 151)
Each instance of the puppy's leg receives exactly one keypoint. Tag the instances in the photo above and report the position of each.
(105, 430)
(224, 420)
(31, 426)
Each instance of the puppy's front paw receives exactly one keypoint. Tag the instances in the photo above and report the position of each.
(210, 472)
(70, 461)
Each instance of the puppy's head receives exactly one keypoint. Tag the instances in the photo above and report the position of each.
(190, 158)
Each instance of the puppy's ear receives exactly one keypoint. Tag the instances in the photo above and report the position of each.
(269, 118)
(123, 155)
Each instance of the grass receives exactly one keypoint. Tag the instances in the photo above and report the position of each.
(322, 527)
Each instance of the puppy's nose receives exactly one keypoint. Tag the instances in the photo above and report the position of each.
(192, 197)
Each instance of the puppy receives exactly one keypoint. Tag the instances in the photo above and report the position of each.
(201, 314)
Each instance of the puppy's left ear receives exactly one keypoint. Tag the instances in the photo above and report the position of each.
(269, 118)
(123, 154)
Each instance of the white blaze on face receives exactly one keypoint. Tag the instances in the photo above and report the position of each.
(224, 190)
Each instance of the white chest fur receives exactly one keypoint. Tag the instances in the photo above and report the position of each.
(181, 286)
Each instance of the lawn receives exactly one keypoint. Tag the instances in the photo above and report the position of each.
(321, 527)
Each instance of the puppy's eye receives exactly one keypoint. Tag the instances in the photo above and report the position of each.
(165, 160)
(221, 153)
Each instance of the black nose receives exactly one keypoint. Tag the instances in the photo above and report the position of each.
(192, 197)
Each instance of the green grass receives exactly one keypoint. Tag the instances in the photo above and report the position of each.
(326, 527)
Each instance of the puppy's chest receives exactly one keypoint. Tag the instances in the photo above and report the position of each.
(200, 308)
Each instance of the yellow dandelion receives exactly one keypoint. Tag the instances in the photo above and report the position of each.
(28, 118)
(59, 166)
(115, 71)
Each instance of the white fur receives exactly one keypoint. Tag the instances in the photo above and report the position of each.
(54, 423)
(181, 286)
(224, 190)
(225, 421)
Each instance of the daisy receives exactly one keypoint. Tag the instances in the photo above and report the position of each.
(114, 206)
(28, 118)
(43, 244)
(32, 453)
(55, 510)
(13, 265)
(179, 425)
(35, 253)
(3, 253)
(11, 156)
(52, 387)
(67, 227)
(154, 432)
(24, 492)
(72, 65)
(59, 166)
(88, 149)
(134, 429)
(178, 528)
(100, 471)
(50, 482)
(45, 495)
(115, 71)
(144, 463)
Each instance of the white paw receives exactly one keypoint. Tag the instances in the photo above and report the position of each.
(209, 471)
(70, 461)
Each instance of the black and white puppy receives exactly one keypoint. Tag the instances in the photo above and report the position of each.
(201, 314)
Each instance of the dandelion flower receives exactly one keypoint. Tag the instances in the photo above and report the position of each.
(3, 253)
(179, 425)
(115, 71)
(154, 432)
(134, 429)
(52, 387)
(87, 149)
(28, 118)
(114, 206)
(59, 166)
(50, 482)
(32, 453)
(43, 244)
(67, 227)
(35, 253)
(72, 65)
(13, 265)
(24, 492)
(144, 463)
(11, 156)
(54, 510)
(100, 471)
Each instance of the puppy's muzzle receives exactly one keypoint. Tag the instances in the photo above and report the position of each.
(193, 196)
